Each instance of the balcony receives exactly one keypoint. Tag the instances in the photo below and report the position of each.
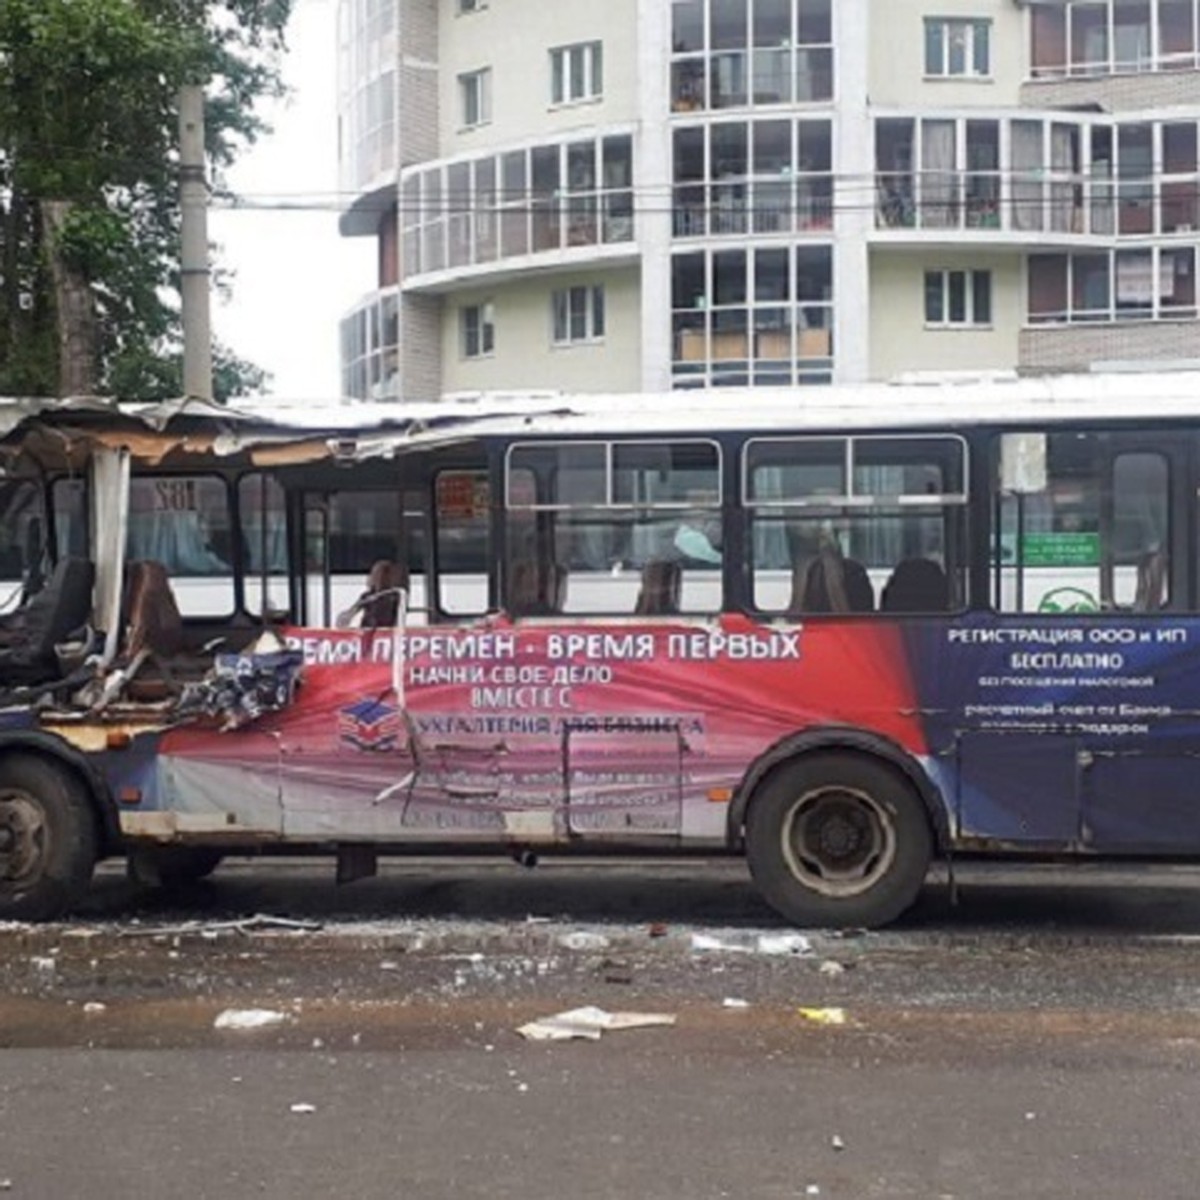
(545, 208)
(1034, 178)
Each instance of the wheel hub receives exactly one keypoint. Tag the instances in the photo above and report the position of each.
(838, 835)
(23, 837)
(838, 841)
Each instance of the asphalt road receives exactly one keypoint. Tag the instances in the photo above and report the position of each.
(1040, 1039)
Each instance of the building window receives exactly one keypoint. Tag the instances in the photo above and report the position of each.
(742, 53)
(475, 96)
(762, 316)
(958, 48)
(958, 298)
(760, 176)
(576, 73)
(1113, 285)
(578, 315)
(471, 6)
(1113, 37)
(478, 327)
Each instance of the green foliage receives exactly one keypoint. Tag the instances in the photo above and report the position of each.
(88, 116)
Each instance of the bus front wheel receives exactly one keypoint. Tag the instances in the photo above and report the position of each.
(48, 840)
(838, 840)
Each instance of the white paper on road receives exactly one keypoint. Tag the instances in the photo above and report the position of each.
(589, 1023)
(249, 1018)
(752, 943)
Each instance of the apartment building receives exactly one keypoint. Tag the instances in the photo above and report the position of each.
(656, 194)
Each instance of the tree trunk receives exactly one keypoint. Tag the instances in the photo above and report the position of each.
(78, 340)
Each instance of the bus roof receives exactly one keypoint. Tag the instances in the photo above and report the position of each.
(1142, 398)
(359, 430)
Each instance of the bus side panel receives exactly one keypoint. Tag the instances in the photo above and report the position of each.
(1066, 732)
(553, 731)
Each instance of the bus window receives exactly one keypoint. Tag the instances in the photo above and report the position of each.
(69, 500)
(263, 525)
(622, 528)
(857, 525)
(182, 521)
(1141, 501)
(22, 539)
(366, 528)
(1094, 539)
(464, 553)
(349, 536)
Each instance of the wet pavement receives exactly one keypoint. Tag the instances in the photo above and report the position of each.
(1041, 1038)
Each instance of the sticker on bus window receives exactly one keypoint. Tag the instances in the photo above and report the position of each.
(175, 495)
(462, 495)
(1061, 550)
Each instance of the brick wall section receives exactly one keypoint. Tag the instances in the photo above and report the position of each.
(420, 347)
(417, 90)
(1077, 347)
(1121, 93)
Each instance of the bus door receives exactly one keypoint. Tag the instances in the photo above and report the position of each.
(625, 780)
(1085, 729)
(607, 545)
(347, 750)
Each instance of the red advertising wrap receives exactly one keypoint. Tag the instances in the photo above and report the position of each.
(545, 732)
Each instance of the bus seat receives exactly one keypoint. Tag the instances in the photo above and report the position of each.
(383, 611)
(661, 583)
(836, 585)
(1151, 592)
(522, 593)
(554, 588)
(152, 617)
(917, 585)
(536, 589)
(29, 635)
(860, 594)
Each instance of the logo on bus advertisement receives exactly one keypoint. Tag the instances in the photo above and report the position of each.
(370, 725)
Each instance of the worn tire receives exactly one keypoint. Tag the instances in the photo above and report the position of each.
(838, 840)
(48, 839)
(170, 867)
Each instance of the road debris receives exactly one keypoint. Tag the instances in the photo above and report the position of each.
(829, 967)
(583, 939)
(616, 971)
(249, 1018)
(94, 1006)
(837, 1143)
(823, 1016)
(589, 1023)
(302, 1107)
(258, 923)
(734, 1002)
(752, 943)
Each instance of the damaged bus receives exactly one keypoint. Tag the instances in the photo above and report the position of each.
(843, 636)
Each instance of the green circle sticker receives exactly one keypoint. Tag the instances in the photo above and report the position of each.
(1068, 600)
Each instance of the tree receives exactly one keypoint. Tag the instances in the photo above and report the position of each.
(89, 225)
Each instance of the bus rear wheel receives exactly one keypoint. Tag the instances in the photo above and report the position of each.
(838, 840)
(48, 840)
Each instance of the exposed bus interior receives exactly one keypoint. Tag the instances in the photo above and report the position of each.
(135, 568)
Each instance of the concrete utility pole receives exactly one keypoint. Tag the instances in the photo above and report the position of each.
(194, 272)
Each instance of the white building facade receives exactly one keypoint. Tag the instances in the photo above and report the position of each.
(655, 194)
